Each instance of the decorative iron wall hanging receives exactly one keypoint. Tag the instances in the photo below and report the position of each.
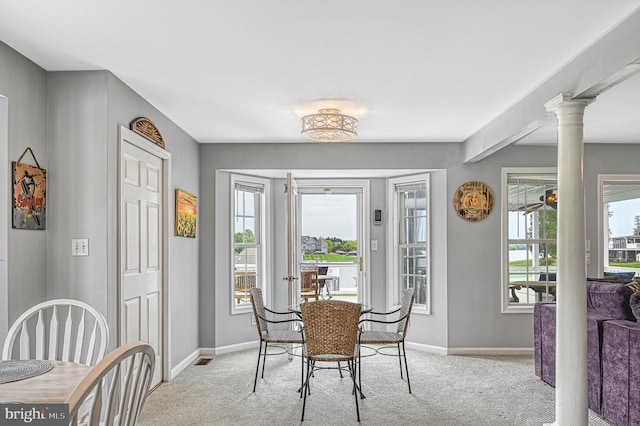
(29, 193)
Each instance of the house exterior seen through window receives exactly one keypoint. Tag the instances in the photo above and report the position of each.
(411, 234)
(248, 235)
(530, 243)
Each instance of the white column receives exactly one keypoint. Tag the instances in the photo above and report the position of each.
(571, 293)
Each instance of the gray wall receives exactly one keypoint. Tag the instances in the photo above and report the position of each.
(466, 295)
(77, 190)
(475, 318)
(78, 147)
(86, 109)
(124, 106)
(24, 85)
(220, 328)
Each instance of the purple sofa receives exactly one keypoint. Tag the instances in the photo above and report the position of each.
(612, 312)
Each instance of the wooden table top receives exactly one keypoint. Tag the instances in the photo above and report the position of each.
(51, 387)
(533, 283)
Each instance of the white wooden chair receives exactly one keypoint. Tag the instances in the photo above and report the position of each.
(60, 329)
(115, 390)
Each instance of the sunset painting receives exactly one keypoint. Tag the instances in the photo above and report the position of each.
(186, 211)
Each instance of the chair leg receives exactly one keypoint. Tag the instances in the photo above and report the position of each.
(301, 372)
(360, 374)
(306, 387)
(399, 359)
(255, 380)
(340, 370)
(264, 358)
(360, 371)
(352, 370)
(406, 366)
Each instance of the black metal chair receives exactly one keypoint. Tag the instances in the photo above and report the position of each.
(272, 336)
(397, 337)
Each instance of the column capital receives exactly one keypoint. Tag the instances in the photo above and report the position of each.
(565, 100)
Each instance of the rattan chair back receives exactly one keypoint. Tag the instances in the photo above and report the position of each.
(259, 311)
(330, 327)
(405, 309)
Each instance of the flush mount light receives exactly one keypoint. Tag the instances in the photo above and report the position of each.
(329, 125)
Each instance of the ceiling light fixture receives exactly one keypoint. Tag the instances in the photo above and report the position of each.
(329, 125)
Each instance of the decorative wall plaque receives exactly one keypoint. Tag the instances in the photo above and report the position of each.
(473, 201)
(145, 127)
(29, 194)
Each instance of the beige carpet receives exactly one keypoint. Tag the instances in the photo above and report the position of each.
(447, 390)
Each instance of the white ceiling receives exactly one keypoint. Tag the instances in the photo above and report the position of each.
(247, 70)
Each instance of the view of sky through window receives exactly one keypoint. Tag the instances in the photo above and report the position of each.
(329, 215)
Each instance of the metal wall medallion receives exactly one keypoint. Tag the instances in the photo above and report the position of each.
(473, 201)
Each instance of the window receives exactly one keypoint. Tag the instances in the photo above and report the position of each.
(248, 239)
(620, 195)
(530, 230)
(409, 227)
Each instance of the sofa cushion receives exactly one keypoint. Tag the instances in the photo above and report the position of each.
(595, 327)
(545, 350)
(634, 303)
(609, 299)
(548, 343)
(620, 375)
(621, 276)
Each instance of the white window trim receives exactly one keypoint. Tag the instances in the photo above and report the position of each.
(603, 243)
(393, 271)
(264, 258)
(506, 307)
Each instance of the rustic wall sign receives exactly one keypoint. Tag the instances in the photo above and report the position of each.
(145, 127)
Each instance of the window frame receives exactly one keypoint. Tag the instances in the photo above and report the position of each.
(506, 306)
(394, 282)
(603, 231)
(262, 221)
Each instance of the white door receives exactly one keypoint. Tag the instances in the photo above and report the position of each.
(292, 241)
(141, 250)
(336, 212)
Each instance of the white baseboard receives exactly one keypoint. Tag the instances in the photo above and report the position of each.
(230, 348)
(184, 364)
(489, 351)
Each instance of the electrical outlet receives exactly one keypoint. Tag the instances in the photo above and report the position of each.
(253, 320)
(80, 247)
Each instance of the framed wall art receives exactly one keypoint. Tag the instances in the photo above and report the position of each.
(473, 201)
(186, 213)
(29, 195)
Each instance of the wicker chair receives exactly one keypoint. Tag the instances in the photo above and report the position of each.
(390, 337)
(309, 288)
(330, 335)
(271, 336)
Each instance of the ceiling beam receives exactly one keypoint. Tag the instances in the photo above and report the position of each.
(609, 61)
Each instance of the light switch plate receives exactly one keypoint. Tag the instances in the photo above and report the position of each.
(80, 247)
(374, 245)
